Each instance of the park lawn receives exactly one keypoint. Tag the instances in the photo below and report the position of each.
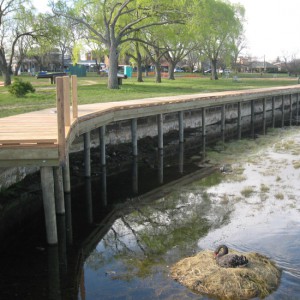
(92, 89)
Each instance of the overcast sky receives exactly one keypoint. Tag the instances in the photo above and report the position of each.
(272, 27)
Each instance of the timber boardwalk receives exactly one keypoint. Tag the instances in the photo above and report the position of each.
(43, 138)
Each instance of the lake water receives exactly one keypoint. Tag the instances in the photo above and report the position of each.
(117, 250)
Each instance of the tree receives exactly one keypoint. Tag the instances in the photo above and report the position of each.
(214, 23)
(114, 22)
(239, 45)
(12, 30)
(178, 43)
(135, 52)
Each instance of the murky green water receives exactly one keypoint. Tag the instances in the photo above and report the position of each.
(124, 251)
(253, 206)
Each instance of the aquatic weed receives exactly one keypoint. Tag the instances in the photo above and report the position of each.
(264, 188)
(247, 191)
(279, 196)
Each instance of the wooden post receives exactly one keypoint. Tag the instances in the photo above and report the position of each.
(297, 108)
(102, 145)
(282, 111)
(66, 80)
(239, 120)
(264, 115)
(160, 131)
(291, 109)
(223, 122)
(181, 127)
(49, 203)
(134, 137)
(60, 104)
(273, 112)
(252, 118)
(74, 97)
(203, 121)
(87, 154)
(59, 190)
(66, 175)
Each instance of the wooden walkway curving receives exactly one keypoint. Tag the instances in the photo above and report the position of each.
(33, 138)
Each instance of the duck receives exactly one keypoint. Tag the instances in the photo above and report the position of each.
(226, 260)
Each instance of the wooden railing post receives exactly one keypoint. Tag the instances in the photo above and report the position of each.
(60, 104)
(66, 87)
(74, 96)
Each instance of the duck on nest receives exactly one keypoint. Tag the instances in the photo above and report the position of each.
(226, 260)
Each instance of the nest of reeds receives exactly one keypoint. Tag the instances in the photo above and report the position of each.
(201, 274)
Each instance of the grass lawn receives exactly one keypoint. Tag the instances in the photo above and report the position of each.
(93, 89)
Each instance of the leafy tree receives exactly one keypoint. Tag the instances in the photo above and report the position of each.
(155, 53)
(12, 30)
(239, 44)
(135, 52)
(114, 22)
(178, 43)
(214, 23)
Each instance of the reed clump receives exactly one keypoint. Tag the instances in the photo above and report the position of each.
(201, 274)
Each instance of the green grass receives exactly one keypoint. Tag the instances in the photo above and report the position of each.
(92, 89)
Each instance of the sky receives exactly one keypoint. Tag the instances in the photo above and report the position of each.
(272, 27)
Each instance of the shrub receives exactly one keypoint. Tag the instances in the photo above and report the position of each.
(20, 88)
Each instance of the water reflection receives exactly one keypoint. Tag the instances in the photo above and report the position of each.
(160, 166)
(133, 256)
(103, 186)
(135, 178)
(88, 200)
(54, 292)
(69, 227)
(181, 157)
(117, 250)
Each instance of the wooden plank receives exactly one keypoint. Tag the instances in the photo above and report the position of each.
(60, 118)
(66, 99)
(74, 97)
(26, 146)
(32, 141)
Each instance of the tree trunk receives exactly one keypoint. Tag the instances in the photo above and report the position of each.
(113, 68)
(139, 68)
(146, 70)
(5, 68)
(63, 61)
(171, 71)
(214, 75)
(157, 72)
(7, 77)
(17, 68)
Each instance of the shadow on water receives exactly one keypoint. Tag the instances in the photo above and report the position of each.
(124, 229)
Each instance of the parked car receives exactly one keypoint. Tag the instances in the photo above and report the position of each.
(178, 70)
(225, 71)
(207, 71)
